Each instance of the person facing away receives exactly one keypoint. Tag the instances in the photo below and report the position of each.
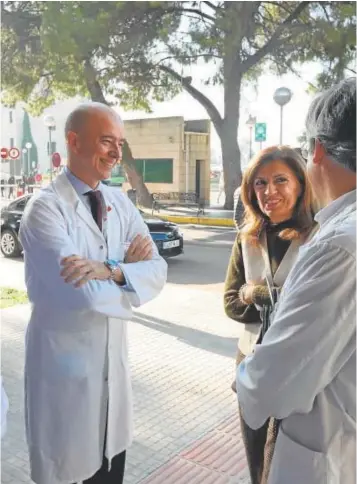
(304, 371)
(238, 209)
(278, 219)
(221, 185)
(11, 181)
(83, 284)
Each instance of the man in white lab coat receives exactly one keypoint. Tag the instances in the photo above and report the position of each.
(304, 372)
(89, 259)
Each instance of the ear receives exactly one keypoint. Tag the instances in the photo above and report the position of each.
(319, 153)
(73, 141)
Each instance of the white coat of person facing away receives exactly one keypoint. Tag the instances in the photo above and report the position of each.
(304, 372)
(89, 259)
(4, 409)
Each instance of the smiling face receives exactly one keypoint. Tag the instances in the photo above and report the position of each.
(96, 147)
(277, 190)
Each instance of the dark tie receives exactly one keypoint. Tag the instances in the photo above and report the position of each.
(95, 200)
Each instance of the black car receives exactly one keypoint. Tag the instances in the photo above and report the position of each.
(166, 235)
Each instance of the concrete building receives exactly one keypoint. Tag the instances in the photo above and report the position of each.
(173, 155)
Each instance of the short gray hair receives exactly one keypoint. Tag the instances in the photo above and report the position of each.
(332, 120)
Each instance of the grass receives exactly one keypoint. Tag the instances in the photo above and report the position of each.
(10, 297)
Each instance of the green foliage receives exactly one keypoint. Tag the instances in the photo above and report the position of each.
(256, 36)
(11, 297)
(49, 59)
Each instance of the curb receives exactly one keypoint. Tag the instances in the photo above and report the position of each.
(215, 222)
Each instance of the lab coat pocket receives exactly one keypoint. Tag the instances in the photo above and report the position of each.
(296, 464)
(67, 388)
(67, 357)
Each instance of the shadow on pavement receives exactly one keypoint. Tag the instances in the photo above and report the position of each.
(199, 266)
(194, 337)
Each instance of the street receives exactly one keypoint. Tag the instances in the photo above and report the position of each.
(182, 350)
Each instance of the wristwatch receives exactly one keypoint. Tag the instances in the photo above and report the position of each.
(112, 265)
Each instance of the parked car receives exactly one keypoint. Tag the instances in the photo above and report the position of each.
(166, 235)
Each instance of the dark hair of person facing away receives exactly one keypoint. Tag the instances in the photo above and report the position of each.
(332, 120)
(255, 220)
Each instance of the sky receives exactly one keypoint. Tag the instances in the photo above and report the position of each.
(256, 101)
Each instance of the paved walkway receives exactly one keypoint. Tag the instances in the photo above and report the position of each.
(187, 430)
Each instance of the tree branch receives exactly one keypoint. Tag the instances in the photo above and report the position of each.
(197, 56)
(211, 5)
(92, 83)
(325, 11)
(196, 94)
(351, 70)
(274, 39)
(196, 12)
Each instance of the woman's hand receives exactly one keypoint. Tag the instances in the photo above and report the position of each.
(246, 293)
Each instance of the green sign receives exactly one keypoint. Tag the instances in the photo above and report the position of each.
(260, 131)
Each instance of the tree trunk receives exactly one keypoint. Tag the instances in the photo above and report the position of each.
(229, 139)
(144, 197)
(136, 181)
(231, 165)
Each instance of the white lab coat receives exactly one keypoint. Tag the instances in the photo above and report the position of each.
(4, 409)
(304, 372)
(76, 344)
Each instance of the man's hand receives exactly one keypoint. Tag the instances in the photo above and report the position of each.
(79, 270)
(139, 250)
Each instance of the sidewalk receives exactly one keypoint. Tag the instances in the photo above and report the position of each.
(214, 216)
(186, 423)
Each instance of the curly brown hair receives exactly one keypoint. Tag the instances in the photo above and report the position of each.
(255, 220)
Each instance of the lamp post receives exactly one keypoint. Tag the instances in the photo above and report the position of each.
(282, 96)
(251, 123)
(24, 151)
(50, 122)
(28, 166)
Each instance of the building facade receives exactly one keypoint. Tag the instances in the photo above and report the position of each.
(173, 155)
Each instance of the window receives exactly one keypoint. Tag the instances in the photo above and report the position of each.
(118, 170)
(11, 117)
(155, 170)
(12, 143)
(21, 204)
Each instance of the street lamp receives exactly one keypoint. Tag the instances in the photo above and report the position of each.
(282, 96)
(28, 146)
(251, 123)
(50, 122)
(24, 151)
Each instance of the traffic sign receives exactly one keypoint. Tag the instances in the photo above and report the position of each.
(14, 153)
(260, 132)
(38, 177)
(56, 160)
(4, 153)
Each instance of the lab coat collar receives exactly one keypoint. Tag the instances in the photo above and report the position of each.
(63, 187)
